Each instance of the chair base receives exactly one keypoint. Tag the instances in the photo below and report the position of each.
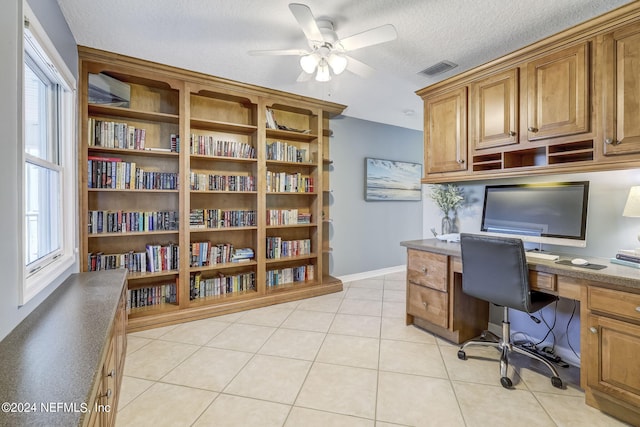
(505, 346)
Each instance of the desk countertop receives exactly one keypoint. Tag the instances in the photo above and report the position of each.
(53, 356)
(613, 274)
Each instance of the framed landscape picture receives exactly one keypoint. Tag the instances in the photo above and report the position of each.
(389, 180)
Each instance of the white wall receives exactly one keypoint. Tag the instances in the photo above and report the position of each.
(607, 231)
(11, 20)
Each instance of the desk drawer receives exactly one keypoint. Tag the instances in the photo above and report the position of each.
(427, 269)
(542, 281)
(428, 304)
(617, 303)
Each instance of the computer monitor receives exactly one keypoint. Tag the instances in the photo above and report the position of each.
(551, 213)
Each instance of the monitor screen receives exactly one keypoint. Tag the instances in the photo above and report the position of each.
(554, 213)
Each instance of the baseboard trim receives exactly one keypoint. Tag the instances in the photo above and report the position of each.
(372, 273)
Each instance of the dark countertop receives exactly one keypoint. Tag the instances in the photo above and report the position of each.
(53, 356)
(613, 274)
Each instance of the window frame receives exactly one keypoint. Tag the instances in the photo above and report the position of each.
(37, 48)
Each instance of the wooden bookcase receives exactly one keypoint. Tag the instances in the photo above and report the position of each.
(210, 172)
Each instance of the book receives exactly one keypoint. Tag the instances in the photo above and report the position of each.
(623, 262)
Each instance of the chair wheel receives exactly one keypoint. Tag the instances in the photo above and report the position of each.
(556, 382)
(462, 355)
(506, 382)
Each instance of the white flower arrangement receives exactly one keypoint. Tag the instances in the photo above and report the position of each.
(447, 197)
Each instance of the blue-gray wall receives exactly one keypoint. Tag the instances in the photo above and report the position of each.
(11, 20)
(366, 236)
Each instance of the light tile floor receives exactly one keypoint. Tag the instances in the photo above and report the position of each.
(344, 359)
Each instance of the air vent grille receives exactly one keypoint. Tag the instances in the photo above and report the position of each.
(438, 68)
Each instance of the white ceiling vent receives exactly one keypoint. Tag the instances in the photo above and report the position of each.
(438, 68)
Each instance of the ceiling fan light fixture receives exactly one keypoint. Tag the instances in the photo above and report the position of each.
(337, 62)
(323, 74)
(309, 63)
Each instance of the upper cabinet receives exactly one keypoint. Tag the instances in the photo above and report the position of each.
(445, 131)
(494, 110)
(569, 103)
(558, 94)
(622, 91)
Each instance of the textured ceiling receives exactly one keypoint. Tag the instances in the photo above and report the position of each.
(213, 36)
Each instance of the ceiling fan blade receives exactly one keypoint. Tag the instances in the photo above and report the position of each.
(359, 68)
(304, 77)
(307, 22)
(376, 35)
(296, 52)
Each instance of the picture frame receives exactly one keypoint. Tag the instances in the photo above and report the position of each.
(392, 180)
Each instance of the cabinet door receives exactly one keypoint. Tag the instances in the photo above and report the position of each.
(613, 347)
(494, 110)
(622, 93)
(446, 131)
(558, 94)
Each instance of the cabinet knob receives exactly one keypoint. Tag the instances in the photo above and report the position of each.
(461, 161)
(112, 373)
(593, 330)
(107, 394)
(638, 309)
(610, 141)
(425, 270)
(512, 133)
(425, 304)
(533, 129)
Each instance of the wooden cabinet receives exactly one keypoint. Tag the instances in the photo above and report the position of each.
(189, 186)
(445, 131)
(613, 343)
(621, 91)
(558, 94)
(435, 300)
(107, 390)
(494, 110)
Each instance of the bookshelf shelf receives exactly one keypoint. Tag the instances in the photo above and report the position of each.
(128, 113)
(204, 132)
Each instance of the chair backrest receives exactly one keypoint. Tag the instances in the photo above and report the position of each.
(495, 269)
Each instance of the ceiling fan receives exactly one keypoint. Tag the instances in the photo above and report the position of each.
(326, 51)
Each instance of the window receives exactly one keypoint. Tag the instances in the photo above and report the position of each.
(48, 179)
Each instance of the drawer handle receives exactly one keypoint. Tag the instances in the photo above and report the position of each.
(593, 330)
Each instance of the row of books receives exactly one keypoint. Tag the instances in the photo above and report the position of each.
(628, 257)
(278, 248)
(218, 218)
(282, 182)
(200, 287)
(287, 217)
(135, 262)
(207, 145)
(207, 182)
(108, 134)
(131, 221)
(152, 295)
(290, 275)
(285, 152)
(112, 172)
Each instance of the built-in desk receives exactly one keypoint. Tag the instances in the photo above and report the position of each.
(609, 310)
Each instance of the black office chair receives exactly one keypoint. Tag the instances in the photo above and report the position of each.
(495, 269)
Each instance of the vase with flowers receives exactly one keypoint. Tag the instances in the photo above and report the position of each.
(448, 197)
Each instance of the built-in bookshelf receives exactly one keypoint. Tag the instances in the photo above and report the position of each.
(210, 192)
